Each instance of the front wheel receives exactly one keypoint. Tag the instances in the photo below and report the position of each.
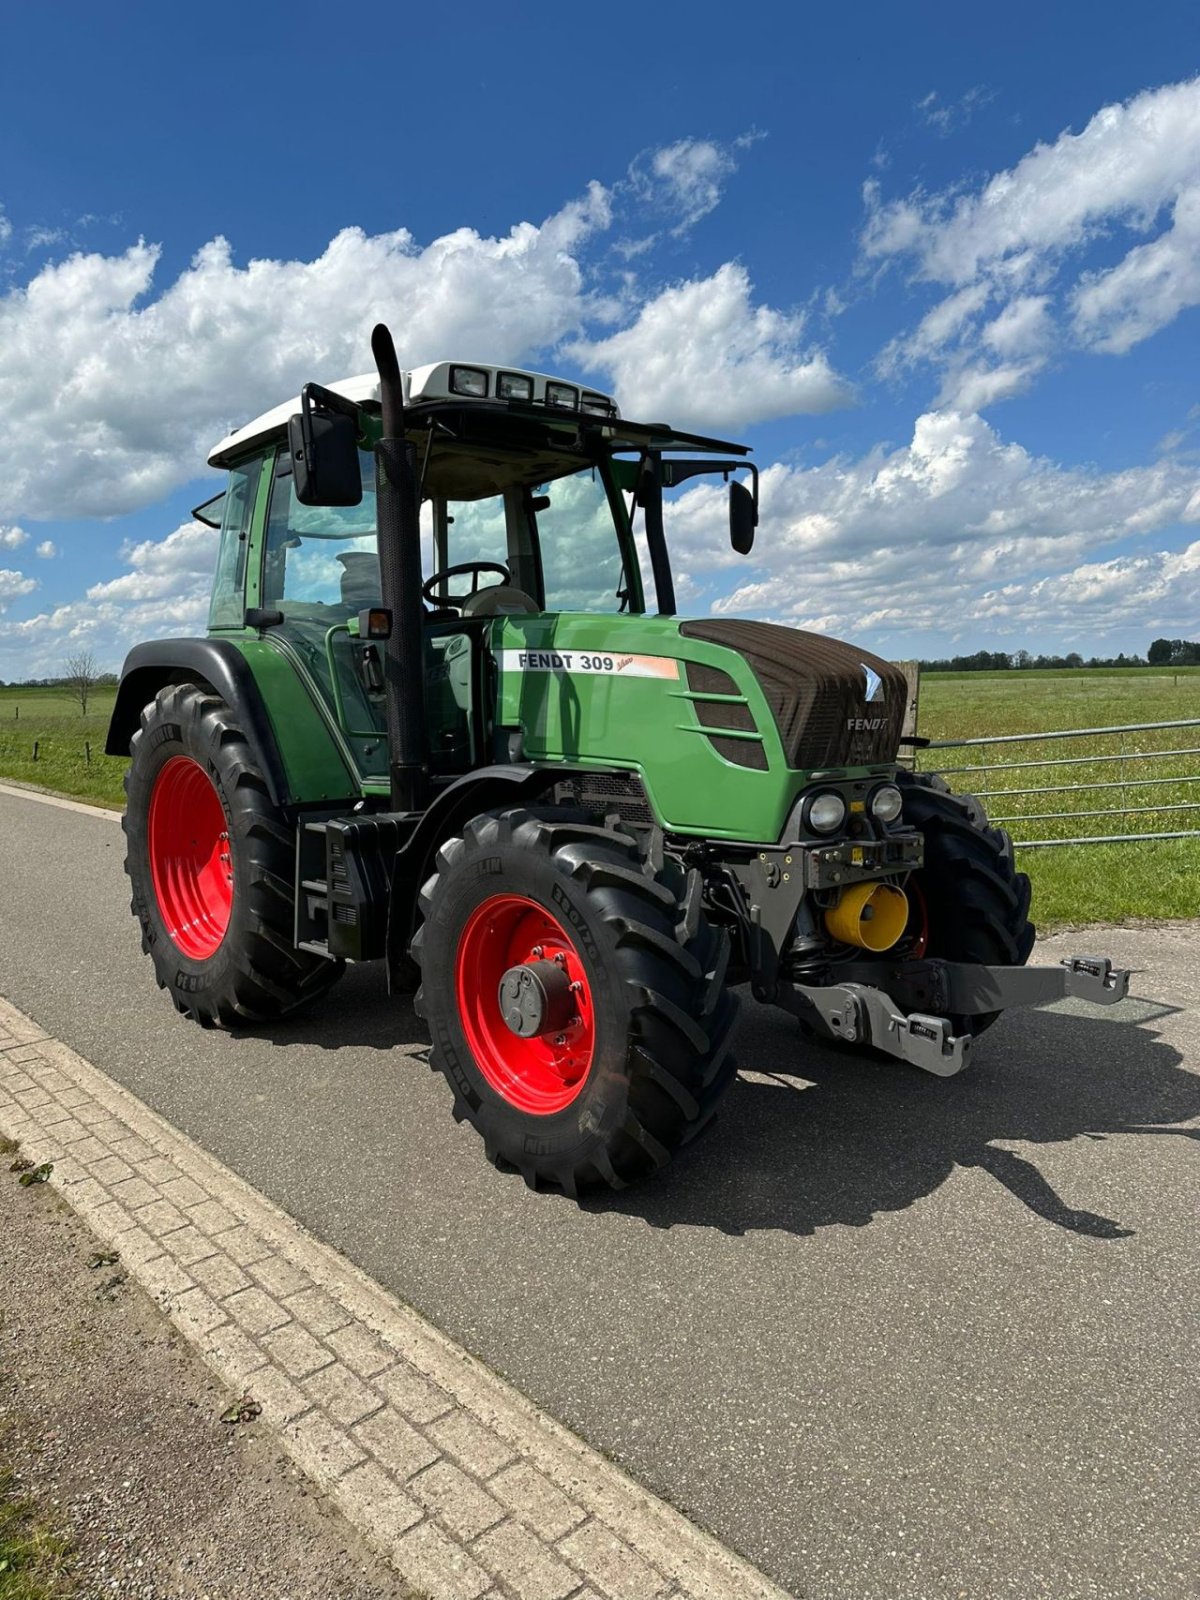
(211, 866)
(969, 901)
(575, 996)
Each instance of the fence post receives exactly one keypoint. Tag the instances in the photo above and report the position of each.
(87, 752)
(912, 696)
(35, 749)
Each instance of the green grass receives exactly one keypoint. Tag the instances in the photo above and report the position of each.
(1090, 883)
(33, 1553)
(51, 720)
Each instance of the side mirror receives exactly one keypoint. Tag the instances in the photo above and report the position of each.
(324, 449)
(743, 518)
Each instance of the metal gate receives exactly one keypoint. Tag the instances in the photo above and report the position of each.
(1129, 781)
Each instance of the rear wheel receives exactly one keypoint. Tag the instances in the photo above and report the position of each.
(210, 863)
(575, 996)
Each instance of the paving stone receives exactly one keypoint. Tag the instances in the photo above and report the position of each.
(130, 1148)
(108, 1130)
(75, 1098)
(236, 1354)
(609, 1562)
(477, 1448)
(279, 1277)
(462, 1506)
(371, 1499)
(90, 1112)
(134, 1192)
(196, 1313)
(530, 1495)
(136, 1245)
(295, 1349)
(211, 1216)
(241, 1244)
(188, 1245)
(182, 1191)
(219, 1275)
(524, 1564)
(159, 1171)
(50, 1116)
(111, 1170)
(420, 1400)
(346, 1398)
(325, 1451)
(159, 1218)
(87, 1150)
(361, 1350)
(256, 1311)
(87, 1195)
(163, 1276)
(70, 1132)
(317, 1311)
(281, 1400)
(111, 1220)
(395, 1444)
(435, 1564)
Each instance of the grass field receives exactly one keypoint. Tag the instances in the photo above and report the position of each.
(50, 719)
(1091, 883)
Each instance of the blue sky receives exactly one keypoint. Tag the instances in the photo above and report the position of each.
(939, 271)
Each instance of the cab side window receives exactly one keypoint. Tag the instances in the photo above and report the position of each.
(228, 606)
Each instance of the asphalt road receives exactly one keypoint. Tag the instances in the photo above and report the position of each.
(888, 1335)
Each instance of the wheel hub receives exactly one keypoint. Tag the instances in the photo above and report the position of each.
(536, 999)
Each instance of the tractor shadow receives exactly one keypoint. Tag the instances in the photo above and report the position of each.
(357, 1013)
(816, 1138)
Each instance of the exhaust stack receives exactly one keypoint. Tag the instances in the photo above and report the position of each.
(399, 528)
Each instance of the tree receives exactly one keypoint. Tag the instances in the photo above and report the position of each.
(82, 673)
(1159, 653)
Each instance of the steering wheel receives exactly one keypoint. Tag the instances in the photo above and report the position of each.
(475, 569)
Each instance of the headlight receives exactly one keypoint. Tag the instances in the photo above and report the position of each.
(563, 395)
(513, 386)
(826, 812)
(887, 802)
(470, 381)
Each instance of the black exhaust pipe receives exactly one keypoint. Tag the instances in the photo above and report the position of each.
(399, 525)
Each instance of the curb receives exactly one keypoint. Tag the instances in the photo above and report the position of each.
(468, 1488)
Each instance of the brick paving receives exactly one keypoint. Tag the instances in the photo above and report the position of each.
(469, 1489)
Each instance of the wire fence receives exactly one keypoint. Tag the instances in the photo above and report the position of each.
(1150, 798)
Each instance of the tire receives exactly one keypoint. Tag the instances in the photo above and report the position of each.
(976, 903)
(640, 1068)
(216, 922)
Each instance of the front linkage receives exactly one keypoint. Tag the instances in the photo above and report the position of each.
(923, 1009)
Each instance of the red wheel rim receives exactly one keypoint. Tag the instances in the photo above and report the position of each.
(544, 1073)
(190, 857)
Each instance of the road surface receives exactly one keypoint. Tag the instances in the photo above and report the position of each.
(887, 1335)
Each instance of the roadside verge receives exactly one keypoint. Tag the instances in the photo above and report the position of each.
(465, 1486)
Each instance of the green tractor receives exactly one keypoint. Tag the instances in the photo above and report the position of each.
(446, 717)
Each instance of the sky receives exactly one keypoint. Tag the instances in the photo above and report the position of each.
(939, 265)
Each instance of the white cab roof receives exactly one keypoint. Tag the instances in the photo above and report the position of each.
(421, 383)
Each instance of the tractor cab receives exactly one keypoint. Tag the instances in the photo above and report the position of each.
(536, 500)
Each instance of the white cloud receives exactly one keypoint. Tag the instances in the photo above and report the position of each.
(921, 539)
(1115, 310)
(690, 177)
(948, 115)
(1128, 163)
(13, 585)
(1016, 235)
(5, 228)
(164, 592)
(703, 355)
(12, 538)
(47, 550)
(125, 390)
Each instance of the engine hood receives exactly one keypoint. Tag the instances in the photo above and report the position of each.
(834, 704)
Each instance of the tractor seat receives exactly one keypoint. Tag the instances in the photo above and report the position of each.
(501, 600)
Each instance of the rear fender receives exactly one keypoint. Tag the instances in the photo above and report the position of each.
(216, 664)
